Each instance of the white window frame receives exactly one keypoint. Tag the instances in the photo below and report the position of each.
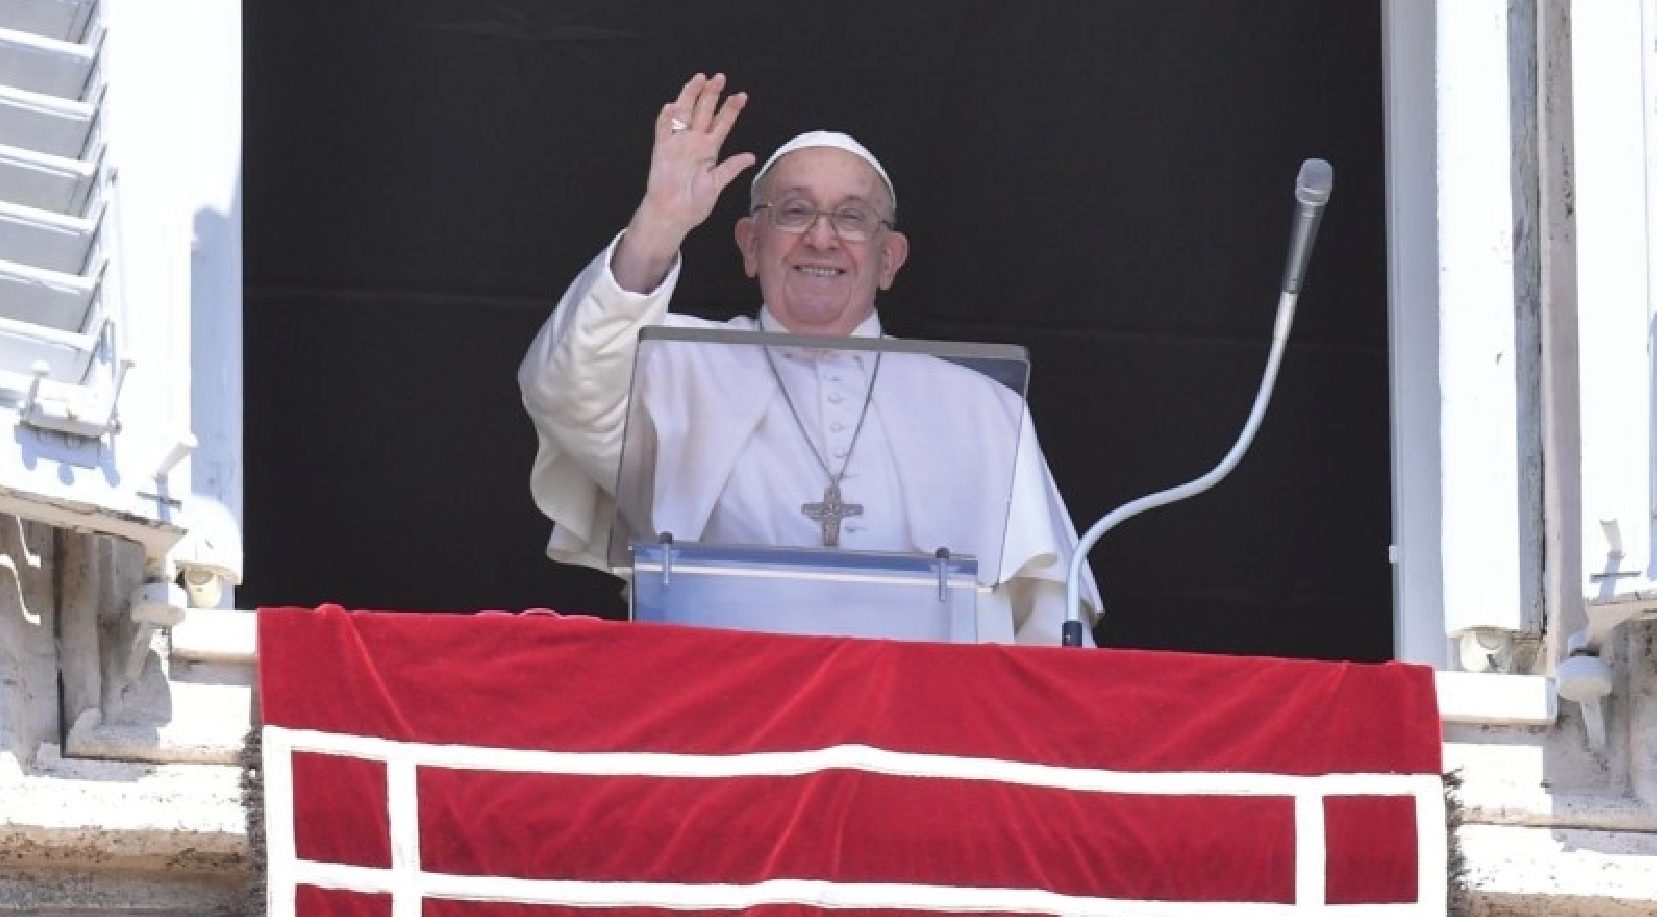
(1592, 412)
(1466, 548)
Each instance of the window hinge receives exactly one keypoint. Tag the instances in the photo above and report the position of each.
(72, 417)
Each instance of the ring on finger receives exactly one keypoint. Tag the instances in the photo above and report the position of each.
(677, 125)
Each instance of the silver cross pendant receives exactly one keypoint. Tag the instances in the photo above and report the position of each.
(830, 513)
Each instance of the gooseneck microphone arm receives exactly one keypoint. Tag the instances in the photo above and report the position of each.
(1312, 187)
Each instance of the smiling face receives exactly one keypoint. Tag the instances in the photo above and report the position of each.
(816, 282)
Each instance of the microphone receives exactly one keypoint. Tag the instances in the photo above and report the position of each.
(1312, 187)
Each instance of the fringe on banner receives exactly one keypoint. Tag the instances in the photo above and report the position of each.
(251, 902)
(1460, 903)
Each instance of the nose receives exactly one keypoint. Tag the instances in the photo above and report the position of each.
(821, 232)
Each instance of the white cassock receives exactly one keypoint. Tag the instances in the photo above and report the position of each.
(744, 463)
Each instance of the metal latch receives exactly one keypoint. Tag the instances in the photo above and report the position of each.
(65, 416)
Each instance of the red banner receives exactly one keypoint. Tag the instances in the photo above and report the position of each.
(533, 764)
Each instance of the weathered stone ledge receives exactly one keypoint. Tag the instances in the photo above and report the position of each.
(85, 814)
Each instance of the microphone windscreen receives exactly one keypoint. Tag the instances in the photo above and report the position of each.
(1315, 181)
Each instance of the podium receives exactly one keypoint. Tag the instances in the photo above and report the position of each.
(806, 591)
(703, 537)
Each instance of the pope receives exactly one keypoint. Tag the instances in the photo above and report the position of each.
(820, 238)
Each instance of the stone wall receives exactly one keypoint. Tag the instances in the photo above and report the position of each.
(144, 813)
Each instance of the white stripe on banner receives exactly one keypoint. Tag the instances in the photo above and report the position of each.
(403, 823)
(281, 852)
(814, 893)
(1432, 847)
(410, 885)
(860, 758)
(1311, 854)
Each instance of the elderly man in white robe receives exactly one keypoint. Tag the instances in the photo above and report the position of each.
(821, 240)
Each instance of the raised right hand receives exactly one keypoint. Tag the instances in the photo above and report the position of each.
(686, 176)
(686, 179)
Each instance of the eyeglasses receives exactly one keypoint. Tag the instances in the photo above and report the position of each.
(851, 222)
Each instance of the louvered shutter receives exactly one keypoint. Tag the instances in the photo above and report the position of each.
(94, 273)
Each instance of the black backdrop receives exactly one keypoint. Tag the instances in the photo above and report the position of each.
(1108, 184)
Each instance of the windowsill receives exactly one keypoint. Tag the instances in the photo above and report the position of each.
(216, 635)
(1495, 699)
(227, 637)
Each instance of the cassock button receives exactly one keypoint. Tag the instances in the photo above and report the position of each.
(837, 426)
(835, 398)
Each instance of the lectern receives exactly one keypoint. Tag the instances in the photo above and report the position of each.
(704, 536)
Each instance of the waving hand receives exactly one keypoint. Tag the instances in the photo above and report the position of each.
(685, 181)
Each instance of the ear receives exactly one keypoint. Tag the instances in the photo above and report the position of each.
(745, 243)
(894, 251)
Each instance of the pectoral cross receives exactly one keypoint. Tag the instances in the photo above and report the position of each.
(830, 513)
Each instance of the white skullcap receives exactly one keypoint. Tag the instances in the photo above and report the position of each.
(834, 139)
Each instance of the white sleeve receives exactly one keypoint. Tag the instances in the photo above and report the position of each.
(1038, 612)
(574, 381)
(1040, 544)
